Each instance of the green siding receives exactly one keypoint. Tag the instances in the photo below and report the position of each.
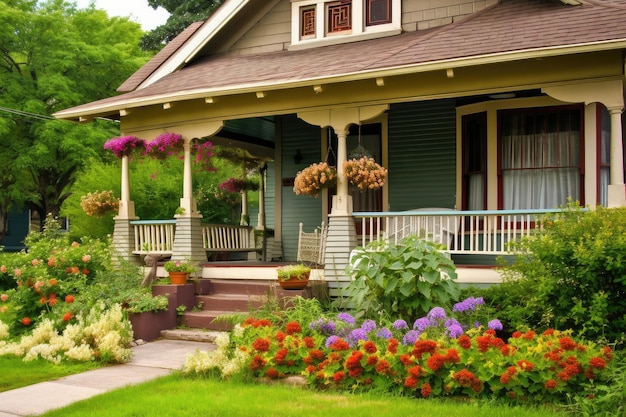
(297, 134)
(422, 155)
(262, 128)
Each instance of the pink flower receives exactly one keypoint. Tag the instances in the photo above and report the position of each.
(35, 262)
(17, 272)
(3, 269)
(86, 258)
(125, 145)
(4, 297)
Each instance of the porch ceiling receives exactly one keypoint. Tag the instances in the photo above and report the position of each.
(512, 30)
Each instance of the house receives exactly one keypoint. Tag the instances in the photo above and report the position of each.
(503, 107)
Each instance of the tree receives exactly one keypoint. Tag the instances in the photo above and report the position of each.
(182, 14)
(53, 56)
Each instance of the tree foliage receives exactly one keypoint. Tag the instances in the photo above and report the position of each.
(182, 14)
(54, 56)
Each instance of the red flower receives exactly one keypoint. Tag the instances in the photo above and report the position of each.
(597, 362)
(293, 327)
(370, 347)
(436, 361)
(415, 371)
(410, 382)
(67, 316)
(43, 300)
(53, 282)
(567, 343)
(354, 361)
(525, 365)
(26, 321)
(261, 345)
(392, 345)
(406, 359)
(339, 376)
(69, 299)
(466, 378)
(271, 373)
(340, 345)
(257, 363)
(309, 342)
(280, 336)
(52, 301)
(464, 341)
(426, 390)
(383, 367)
(505, 378)
(280, 356)
(372, 360)
(516, 334)
(529, 335)
(550, 384)
(424, 346)
(549, 332)
(607, 352)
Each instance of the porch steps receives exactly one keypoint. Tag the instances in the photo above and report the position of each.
(216, 299)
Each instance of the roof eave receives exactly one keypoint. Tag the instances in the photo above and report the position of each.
(108, 109)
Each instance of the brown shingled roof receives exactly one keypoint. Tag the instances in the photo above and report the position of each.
(510, 26)
(163, 55)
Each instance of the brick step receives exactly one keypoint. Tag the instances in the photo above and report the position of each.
(229, 302)
(205, 319)
(240, 286)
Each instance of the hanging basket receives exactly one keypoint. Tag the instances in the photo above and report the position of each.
(365, 173)
(314, 178)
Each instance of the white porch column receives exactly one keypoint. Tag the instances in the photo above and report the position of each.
(617, 190)
(188, 202)
(127, 207)
(341, 238)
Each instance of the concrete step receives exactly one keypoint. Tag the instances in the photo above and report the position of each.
(206, 319)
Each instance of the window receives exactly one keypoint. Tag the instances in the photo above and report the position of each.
(319, 22)
(604, 153)
(475, 161)
(377, 12)
(540, 157)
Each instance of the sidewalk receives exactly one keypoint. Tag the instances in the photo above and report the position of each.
(150, 361)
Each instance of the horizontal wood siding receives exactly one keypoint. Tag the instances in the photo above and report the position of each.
(297, 134)
(254, 127)
(270, 195)
(422, 155)
(17, 229)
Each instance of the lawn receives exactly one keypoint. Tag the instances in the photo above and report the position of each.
(16, 373)
(184, 396)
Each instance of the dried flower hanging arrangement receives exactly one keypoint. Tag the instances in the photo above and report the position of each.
(365, 173)
(312, 179)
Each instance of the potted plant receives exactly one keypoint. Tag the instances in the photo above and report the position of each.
(365, 173)
(179, 270)
(293, 277)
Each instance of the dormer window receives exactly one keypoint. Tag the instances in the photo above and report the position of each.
(323, 22)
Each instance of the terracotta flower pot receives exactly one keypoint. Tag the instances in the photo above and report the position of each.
(294, 284)
(179, 278)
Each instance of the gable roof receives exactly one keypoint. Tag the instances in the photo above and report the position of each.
(508, 31)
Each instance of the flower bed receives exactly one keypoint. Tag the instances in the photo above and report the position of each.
(436, 356)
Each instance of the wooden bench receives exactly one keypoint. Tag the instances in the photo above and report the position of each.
(228, 238)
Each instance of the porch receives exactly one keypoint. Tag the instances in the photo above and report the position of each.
(474, 240)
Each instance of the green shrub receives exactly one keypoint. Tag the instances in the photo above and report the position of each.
(569, 275)
(408, 279)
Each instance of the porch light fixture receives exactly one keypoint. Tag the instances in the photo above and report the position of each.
(297, 158)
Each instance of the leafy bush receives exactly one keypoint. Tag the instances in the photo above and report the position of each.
(405, 280)
(569, 275)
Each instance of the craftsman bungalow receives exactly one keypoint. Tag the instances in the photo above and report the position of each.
(492, 110)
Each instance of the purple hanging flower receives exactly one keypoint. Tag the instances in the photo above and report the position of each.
(125, 145)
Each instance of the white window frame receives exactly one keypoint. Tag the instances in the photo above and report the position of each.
(359, 30)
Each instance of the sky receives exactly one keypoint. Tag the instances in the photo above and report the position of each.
(137, 10)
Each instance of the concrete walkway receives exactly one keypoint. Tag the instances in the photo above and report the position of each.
(150, 361)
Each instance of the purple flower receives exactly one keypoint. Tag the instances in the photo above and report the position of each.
(421, 324)
(400, 325)
(437, 313)
(356, 335)
(384, 332)
(453, 328)
(125, 145)
(495, 324)
(164, 145)
(346, 318)
(410, 337)
(331, 339)
(323, 326)
(368, 325)
(468, 305)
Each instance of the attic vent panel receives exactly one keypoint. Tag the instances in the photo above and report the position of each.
(307, 22)
(339, 16)
(378, 12)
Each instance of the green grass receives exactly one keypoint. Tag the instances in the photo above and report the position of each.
(16, 373)
(179, 396)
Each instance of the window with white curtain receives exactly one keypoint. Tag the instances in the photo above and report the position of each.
(540, 157)
(605, 158)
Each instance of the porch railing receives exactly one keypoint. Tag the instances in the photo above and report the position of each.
(153, 236)
(462, 232)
